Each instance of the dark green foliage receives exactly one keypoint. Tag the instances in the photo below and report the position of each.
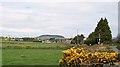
(78, 39)
(90, 41)
(52, 40)
(102, 31)
(28, 39)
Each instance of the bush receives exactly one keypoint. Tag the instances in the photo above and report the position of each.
(90, 41)
(76, 57)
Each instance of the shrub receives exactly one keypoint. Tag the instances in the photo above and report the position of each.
(90, 41)
(76, 57)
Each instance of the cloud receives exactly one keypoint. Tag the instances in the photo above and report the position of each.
(20, 30)
(49, 1)
(56, 18)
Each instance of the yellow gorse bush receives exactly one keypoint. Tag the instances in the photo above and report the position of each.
(79, 56)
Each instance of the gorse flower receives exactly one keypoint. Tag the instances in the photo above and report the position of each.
(79, 56)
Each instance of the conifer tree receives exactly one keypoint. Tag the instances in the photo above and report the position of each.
(78, 39)
(102, 32)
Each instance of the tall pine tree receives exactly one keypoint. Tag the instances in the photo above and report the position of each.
(102, 31)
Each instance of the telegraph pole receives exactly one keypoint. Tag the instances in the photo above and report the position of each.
(77, 37)
(9, 38)
(77, 31)
(99, 38)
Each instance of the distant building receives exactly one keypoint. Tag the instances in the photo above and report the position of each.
(13, 39)
(46, 41)
(18, 39)
(54, 40)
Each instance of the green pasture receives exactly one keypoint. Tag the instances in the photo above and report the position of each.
(34, 45)
(31, 56)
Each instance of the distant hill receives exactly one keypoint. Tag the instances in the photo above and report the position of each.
(50, 36)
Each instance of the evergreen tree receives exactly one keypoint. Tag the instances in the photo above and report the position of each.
(78, 39)
(102, 31)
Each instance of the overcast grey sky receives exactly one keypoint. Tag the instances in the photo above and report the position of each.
(61, 18)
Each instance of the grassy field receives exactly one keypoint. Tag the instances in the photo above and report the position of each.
(38, 45)
(32, 44)
(31, 56)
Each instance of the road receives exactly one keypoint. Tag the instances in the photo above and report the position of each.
(114, 48)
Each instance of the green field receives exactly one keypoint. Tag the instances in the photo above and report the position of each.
(42, 54)
(31, 56)
(33, 44)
